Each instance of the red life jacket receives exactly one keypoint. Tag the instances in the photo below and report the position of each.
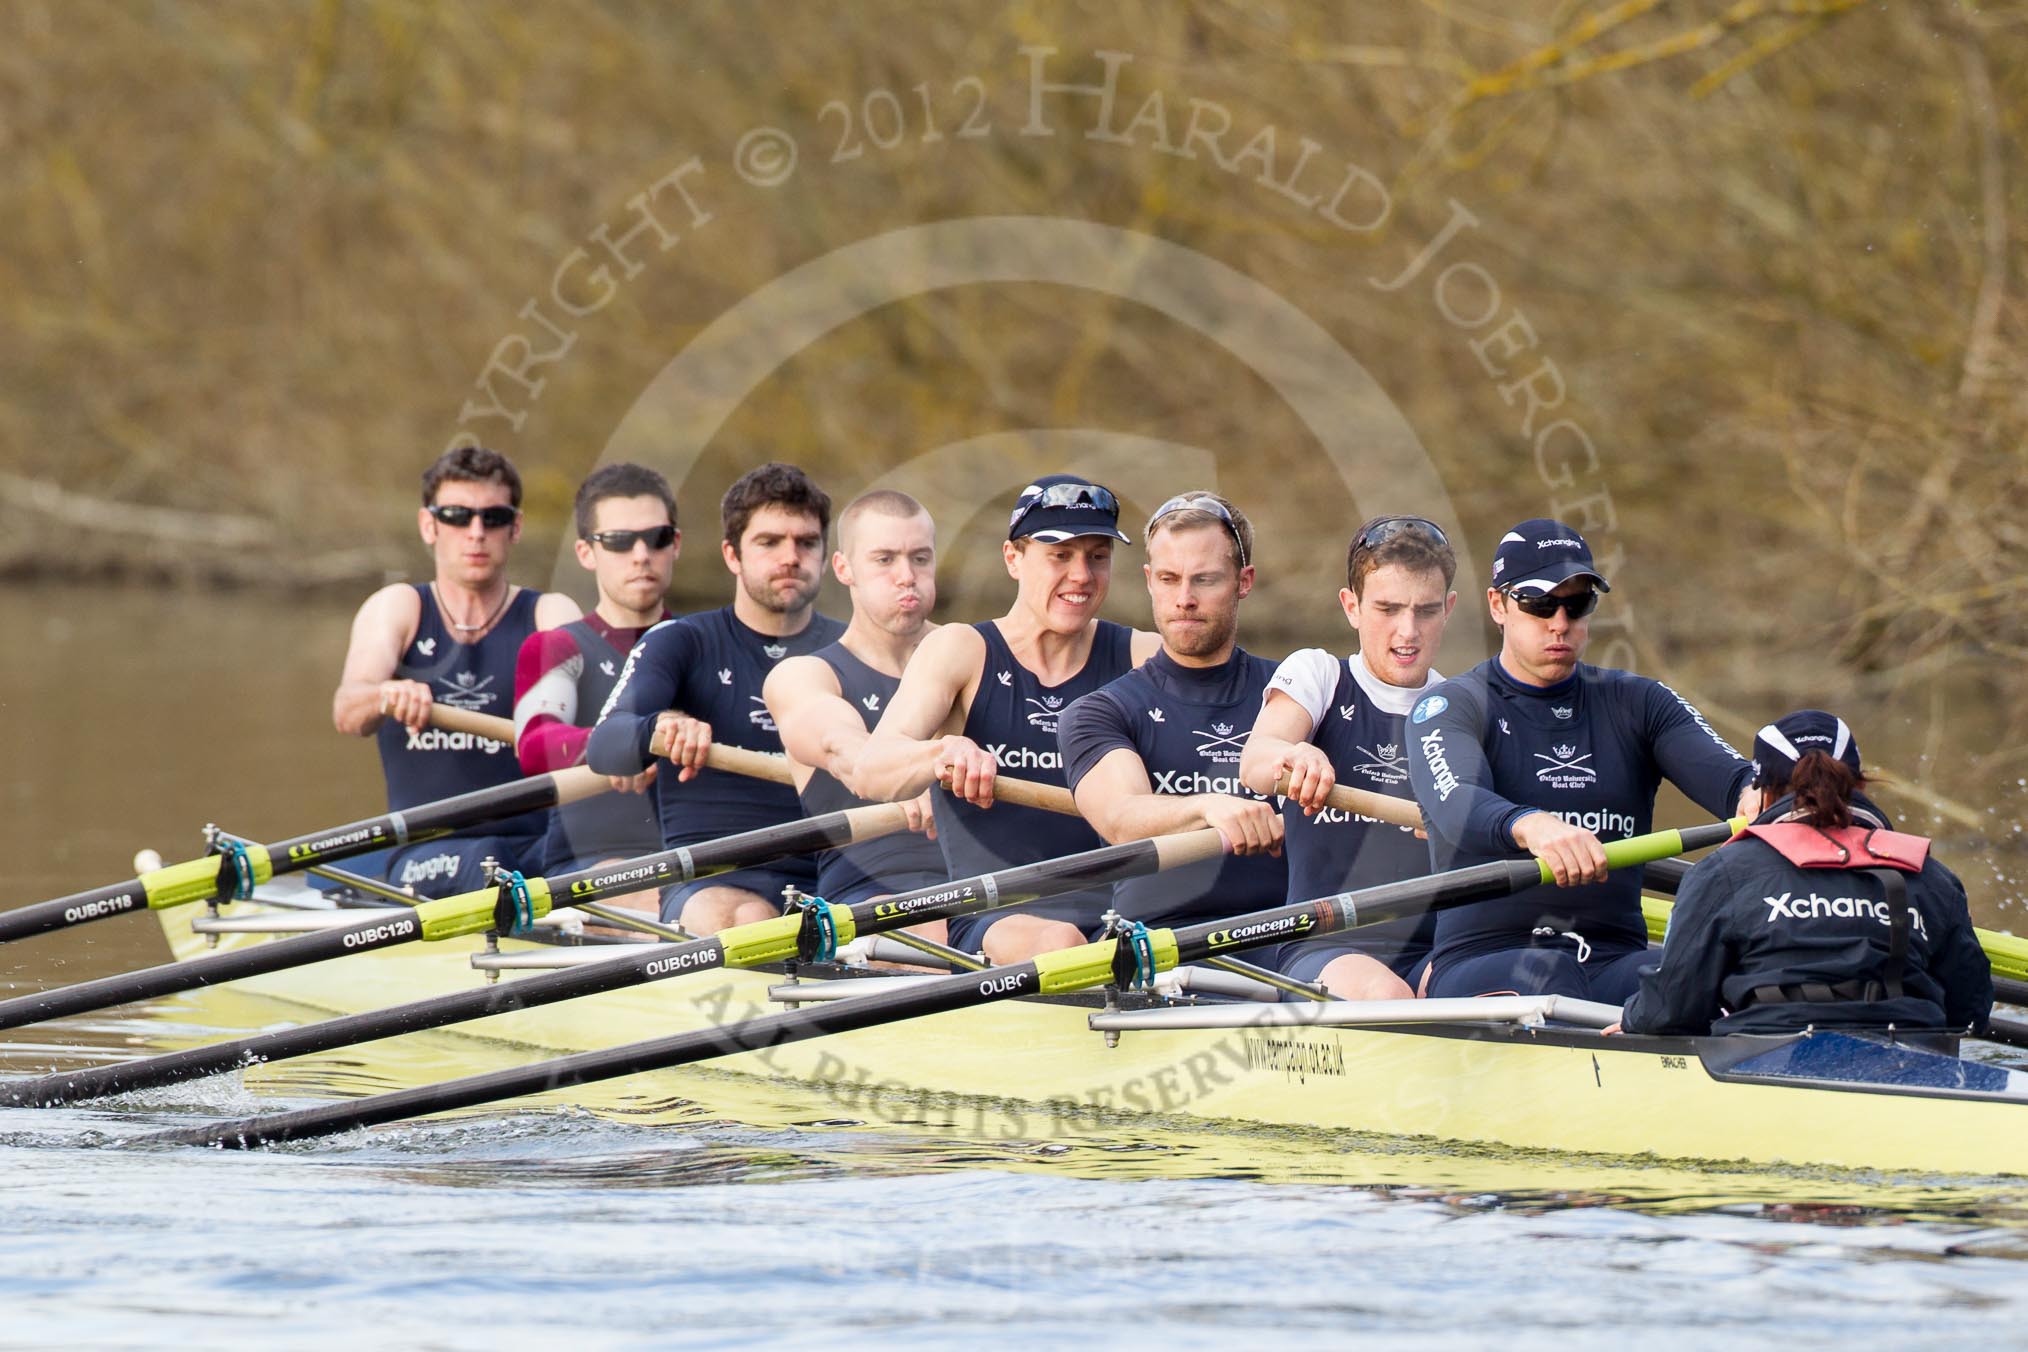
(1884, 854)
(1808, 846)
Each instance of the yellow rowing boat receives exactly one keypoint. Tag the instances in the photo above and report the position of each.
(1507, 1073)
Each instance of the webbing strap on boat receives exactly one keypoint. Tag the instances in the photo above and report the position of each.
(1898, 926)
(516, 907)
(235, 866)
(817, 940)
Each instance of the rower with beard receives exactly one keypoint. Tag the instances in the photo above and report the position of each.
(826, 704)
(453, 641)
(1533, 752)
(627, 539)
(984, 698)
(1158, 750)
(1329, 720)
(1819, 915)
(699, 679)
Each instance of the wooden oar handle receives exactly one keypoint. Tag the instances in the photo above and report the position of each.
(735, 760)
(479, 725)
(1398, 811)
(1189, 847)
(1027, 793)
(753, 764)
(759, 765)
(578, 783)
(572, 785)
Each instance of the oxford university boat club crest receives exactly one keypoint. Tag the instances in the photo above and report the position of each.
(1222, 744)
(1383, 763)
(1565, 769)
(466, 690)
(1042, 712)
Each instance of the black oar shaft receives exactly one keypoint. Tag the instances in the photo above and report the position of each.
(838, 1016)
(750, 945)
(77, 909)
(380, 930)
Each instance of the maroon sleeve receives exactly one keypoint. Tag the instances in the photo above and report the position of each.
(546, 742)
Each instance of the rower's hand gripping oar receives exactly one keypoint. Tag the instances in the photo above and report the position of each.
(775, 769)
(1143, 954)
(1364, 802)
(802, 935)
(241, 867)
(514, 904)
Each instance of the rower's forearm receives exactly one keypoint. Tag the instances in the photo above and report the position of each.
(355, 708)
(1260, 764)
(893, 769)
(1121, 817)
(619, 744)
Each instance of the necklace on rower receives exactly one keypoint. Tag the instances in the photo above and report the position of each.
(486, 623)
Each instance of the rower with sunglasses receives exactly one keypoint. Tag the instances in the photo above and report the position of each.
(628, 540)
(981, 699)
(1327, 720)
(1158, 750)
(451, 640)
(697, 681)
(1535, 752)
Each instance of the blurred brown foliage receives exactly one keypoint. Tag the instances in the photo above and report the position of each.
(257, 256)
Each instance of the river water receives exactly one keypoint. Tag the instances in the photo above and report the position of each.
(689, 1220)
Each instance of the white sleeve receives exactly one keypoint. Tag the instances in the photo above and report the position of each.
(554, 693)
(1308, 676)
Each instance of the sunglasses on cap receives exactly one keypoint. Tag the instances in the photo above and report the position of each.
(1064, 495)
(1200, 502)
(1387, 527)
(1543, 605)
(493, 518)
(658, 538)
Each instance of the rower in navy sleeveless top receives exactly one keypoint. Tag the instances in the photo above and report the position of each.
(979, 700)
(1326, 721)
(826, 704)
(1533, 752)
(452, 640)
(698, 679)
(1157, 750)
(627, 538)
(1818, 915)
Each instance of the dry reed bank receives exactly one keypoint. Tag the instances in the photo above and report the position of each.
(1762, 260)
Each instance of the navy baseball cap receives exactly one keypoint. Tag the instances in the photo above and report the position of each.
(1059, 507)
(1778, 746)
(1540, 555)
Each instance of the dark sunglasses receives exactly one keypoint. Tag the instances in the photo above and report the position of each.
(494, 518)
(1546, 604)
(1379, 532)
(1200, 502)
(1064, 495)
(623, 541)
